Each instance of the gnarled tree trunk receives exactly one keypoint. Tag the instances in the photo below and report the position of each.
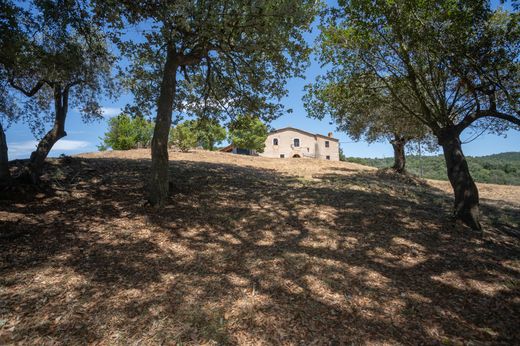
(37, 159)
(398, 144)
(466, 192)
(4, 158)
(159, 182)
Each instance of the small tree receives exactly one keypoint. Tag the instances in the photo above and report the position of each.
(248, 132)
(342, 156)
(457, 62)
(57, 57)
(184, 136)
(216, 56)
(209, 133)
(143, 132)
(126, 133)
(364, 113)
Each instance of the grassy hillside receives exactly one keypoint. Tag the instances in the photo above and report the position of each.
(501, 168)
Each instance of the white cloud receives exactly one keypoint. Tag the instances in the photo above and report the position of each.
(109, 112)
(19, 150)
(22, 146)
(68, 145)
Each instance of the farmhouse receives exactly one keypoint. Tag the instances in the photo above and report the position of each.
(294, 143)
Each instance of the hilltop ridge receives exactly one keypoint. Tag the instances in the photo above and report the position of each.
(503, 168)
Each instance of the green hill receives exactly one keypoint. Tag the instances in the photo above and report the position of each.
(501, 168)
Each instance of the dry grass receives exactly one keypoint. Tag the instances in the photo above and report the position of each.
(301, 168)
(487, 192)
(251, 251)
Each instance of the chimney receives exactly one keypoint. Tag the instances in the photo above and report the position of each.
(330, 134)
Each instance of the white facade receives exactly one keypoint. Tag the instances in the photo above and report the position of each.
(293, 143)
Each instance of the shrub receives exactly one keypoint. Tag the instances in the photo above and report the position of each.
(209, 133)
(125, 133)
(248, 132)
(183, 136)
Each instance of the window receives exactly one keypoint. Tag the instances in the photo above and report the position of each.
(327, 157)
(296, 142)
(275, 141)
(326, 144)
(282, 156)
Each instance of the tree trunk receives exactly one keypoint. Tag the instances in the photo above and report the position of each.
(159, 182)
(398, 144)
(466, 192)
(4, 158)
(37, 159)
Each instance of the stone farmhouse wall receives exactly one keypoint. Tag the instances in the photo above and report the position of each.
(310, 145)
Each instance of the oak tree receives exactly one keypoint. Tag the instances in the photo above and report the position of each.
(10, 38)
(217, 57)
(59, 60)
(209, 133)
(248, 132)
(456, 59)
(367, 113)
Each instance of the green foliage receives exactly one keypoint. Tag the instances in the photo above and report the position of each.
(363, 113)
(501, 168)
(342, 156)
(126, 133)
(209, 133)
(248, 132)
(183, 136)
(234, 57)
(143, 130)
(446, 64)
(10, 33)
(54, 48)
(216, 59)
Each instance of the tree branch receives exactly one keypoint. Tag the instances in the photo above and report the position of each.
(471, 118)
(29, 93)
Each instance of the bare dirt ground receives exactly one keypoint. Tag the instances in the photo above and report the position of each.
(253, 251)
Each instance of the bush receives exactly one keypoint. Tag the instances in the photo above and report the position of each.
(125, 133)
(183, 136)
(342, 156)
(209, 133)
(248, 132)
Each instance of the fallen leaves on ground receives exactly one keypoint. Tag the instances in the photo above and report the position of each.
(250, 251)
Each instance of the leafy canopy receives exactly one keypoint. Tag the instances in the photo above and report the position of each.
(10, 33)
(233, 57)
(248, 132)
(184, 136)
(54, 47)
(126, 133)
(368, 113)
(209, 133)
(448, 64)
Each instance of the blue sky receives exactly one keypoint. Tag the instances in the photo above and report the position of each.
(85, 137)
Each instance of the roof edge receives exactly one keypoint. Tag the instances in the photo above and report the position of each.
(304, 132)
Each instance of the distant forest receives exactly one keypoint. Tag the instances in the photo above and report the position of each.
(501, 168)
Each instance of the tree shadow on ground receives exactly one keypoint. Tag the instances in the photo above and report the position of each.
(248, 256)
